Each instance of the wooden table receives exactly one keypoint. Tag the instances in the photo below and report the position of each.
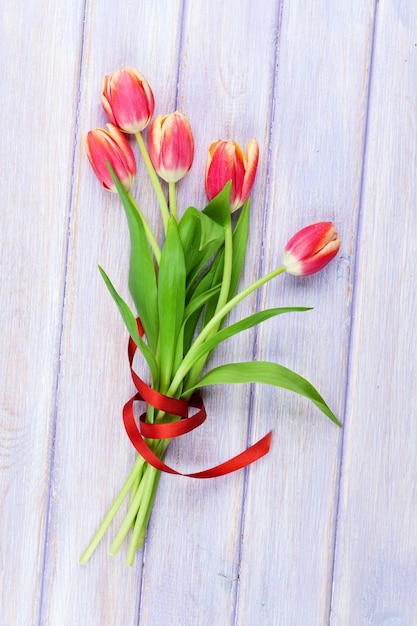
(323, 529)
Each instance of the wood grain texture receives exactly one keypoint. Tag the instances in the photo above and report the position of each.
(321, 531)
(95, 380)
(315, 174)
(41, 47)
(376, 560)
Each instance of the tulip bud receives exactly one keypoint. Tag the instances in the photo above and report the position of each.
(309, 250)
(171, 146)
(225, 162)
(111, 146)
(127, 100)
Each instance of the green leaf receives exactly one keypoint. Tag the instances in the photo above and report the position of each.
(244, 324)
(171, 300)
(131, 325)
(200, 236)
(191, 314)
(200, 288)
(269, 374)
(216, 279)
(206, 227)
(198, 300)
(219, 208)
(142, 277)
(240, 240)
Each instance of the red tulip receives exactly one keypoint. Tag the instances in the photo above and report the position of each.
(171, 146)
(112, 146)
(309, 250)
(225, 162)
(127, 100)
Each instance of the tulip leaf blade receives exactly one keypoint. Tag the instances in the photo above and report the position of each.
(240, 240)
(239, 243)
(132, 328)
(200, 236)
(244, 324)
(193, 307)
(142, 277)
(202, 286)
(198, 301)
(219, 207)
(270, 374)
(171, 300)
(217, 275)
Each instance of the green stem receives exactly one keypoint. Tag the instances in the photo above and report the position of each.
(142, 534)
(150, 482)
(130, 516)
(137, 502)
(198, 367)
(136, 484)
(150, 414)
(114, 508)
(149, 234)
(172, 200)
(154, 179)
(188, 360)
(227, 270)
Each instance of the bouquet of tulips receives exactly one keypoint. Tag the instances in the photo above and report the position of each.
(184, 288)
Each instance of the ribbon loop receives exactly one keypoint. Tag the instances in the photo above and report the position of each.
(170, 430)
(151, 396)
(174, 429)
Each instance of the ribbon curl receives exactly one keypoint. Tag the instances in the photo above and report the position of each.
(183, 425)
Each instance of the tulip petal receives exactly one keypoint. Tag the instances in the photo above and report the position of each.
(251, 164)
(310, 239)
(171, 146)
(309, 250)
(124, 146)
(127, 100)
(226, 161)
(110, 146)
(154, 140)
(321, 258)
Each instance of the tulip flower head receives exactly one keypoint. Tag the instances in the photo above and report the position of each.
(127, 100)
(309, 250)
(111, 146)
(225, 162)
(171, 146)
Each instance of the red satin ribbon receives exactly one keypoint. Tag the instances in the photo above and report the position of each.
(184, 425)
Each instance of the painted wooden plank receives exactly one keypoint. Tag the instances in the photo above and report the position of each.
(39, 66)
(192, 555)
(315, 174)
(93, 455)
(376, 558)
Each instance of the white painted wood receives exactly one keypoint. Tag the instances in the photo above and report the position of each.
(39, 66)
(316, 146)
(376, 558)
(93, 455)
